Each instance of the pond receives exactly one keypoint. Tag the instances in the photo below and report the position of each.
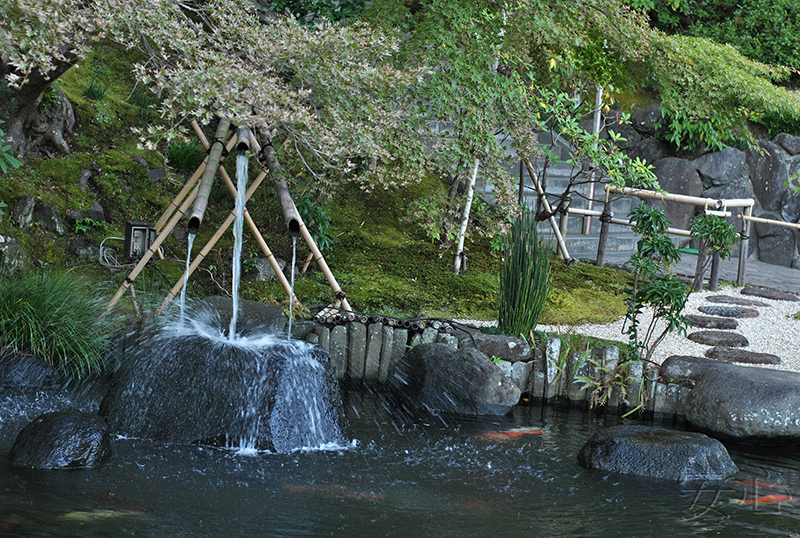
(398, 477)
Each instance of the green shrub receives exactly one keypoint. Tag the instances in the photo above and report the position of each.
(95, 91)
(524, 278)
(53, 315)
(185, 156)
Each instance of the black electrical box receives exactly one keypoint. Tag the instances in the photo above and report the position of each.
(138, 238)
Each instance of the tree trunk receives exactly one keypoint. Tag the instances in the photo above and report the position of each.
(460, 258)
(26, 121)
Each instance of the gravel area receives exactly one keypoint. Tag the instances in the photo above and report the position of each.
(774, 331)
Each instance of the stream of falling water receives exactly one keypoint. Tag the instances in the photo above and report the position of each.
(186, 275)
(291, 287)
(238, 226)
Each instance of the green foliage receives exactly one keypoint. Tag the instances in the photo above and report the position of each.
(95, 91)
(87, 225)
(524, 278)
(311, 11)
(717, 234)
(184, 156)
(710, 92)
(7, 160)
(54, 316)
(317, 219)
(665, 295)
(764, 30)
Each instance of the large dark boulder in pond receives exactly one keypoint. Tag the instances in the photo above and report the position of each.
(747, 404)
(508, 348)
(436, 378)
(62, 440)
(190, 383)
(657, 453)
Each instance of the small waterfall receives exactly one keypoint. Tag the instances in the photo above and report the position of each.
(238, 228)
(186, 276)
(291, 287)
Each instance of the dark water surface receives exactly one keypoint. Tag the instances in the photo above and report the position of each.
(414, 478)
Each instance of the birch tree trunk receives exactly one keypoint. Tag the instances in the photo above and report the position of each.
(465, 219)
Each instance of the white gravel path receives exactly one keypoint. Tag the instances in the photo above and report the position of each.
(773, 331)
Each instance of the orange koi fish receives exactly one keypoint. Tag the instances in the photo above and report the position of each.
(509, 434)
(767, 499)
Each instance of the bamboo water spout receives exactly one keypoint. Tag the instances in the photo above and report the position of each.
(290, 214)
(207, 180)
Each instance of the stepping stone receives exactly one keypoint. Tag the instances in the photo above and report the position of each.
(734, 300)
(708, 322)
(728, 354)
(729, 311)
(719, 338)
(770, 294)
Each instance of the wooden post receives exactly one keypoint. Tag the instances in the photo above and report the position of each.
(713, 278)
(605, 222)
(744, 235)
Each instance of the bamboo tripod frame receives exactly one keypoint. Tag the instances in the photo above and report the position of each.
(185, 198)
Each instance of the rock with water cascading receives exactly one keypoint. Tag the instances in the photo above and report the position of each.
(190, 383)
(434, 377)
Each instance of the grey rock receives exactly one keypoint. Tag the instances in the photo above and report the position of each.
(85, 249)
(23, 212)
(83, 180)
(644, 119)
(729, 311)
(139, 160)
(719, 338)
(62, 440)
(788, 142)
(28, 371)
(747, 404)
(775, 295)
(776, 244)
(680, 367)
(434, 377)
(49, 218)
(790, 206)
(12, 257)
(357, 350)
(677, 176)
(649, 150)
(626, 130)
(508, 348)
(768, 173)
(157, 175)
(728, 354)
(95, 212)
(707, 322)
(738, 301)
(723, 167)
(517, 372)
(657, 453)
(261, 270)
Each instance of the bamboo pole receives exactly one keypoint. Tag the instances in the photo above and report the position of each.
(744, 246)
(562, 247)
(293, 217)
(208, 246)
(590, 188)
(207, 180)
(252, 225)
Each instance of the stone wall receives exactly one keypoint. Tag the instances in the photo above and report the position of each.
(367, 353)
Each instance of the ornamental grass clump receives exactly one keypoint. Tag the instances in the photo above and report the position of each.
(524, 278)
(54, 316)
